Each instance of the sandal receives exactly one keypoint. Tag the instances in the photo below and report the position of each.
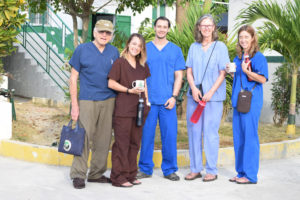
(210, 177)
(244, 180)
(126, 185)
(192, 176)
(136, 182)
(233, 179)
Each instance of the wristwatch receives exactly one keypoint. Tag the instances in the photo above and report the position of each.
(175, 97)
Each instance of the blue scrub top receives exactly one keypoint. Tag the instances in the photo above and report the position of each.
(259, 66)
(197, 59)
(162, 64)
(93, 67)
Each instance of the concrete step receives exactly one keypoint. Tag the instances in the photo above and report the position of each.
(29, 79)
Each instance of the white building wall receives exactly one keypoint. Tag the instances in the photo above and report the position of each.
(110, 9)
(135, 20)
(67, 19)
(171, 14)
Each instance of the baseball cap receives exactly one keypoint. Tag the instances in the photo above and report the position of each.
(104, 25)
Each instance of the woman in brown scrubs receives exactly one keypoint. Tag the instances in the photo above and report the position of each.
(129, 68)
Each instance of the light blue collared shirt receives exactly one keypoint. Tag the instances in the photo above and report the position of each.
(197, 60)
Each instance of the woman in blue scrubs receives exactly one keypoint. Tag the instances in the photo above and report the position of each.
(245, 125)
(206, 62)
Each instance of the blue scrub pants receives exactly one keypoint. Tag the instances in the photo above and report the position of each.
(246, 142)
(168, 128)
(207, 128)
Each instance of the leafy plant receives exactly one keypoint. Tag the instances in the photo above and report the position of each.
(120, 39)
(281, 91)
(10, 24)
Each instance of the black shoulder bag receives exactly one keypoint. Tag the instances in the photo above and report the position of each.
(244, 98)
(200, 85)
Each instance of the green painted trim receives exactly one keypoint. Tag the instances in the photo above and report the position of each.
(56, 38)
(123, 23)
(275, 59)
(49, 49)
(89, 38)
(162, 10)
(154, 15)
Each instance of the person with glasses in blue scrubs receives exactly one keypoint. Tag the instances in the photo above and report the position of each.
(206, 62)
(166, 64)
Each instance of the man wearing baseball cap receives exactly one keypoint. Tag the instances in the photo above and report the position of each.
(91, 63)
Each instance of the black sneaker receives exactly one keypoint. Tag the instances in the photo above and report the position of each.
(78, 183)
(141, 175)
(173, 177)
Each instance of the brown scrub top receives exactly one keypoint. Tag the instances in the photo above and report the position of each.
(125, 74)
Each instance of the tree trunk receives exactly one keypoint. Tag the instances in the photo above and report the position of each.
(180, 12)
(85, 27)
(75, 31)
(291, 129)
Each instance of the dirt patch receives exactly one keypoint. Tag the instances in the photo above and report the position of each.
(41, 124)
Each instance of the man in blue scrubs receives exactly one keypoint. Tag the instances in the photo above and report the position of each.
(166, 64)
(91, 62)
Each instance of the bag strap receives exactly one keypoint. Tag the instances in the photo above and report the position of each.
(70, 123)
(208, 62)
(76, 127)
(242, 84)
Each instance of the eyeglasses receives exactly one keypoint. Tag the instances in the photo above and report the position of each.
(206, 26)
(106, 32)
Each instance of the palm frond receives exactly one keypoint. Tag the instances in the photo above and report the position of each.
(280, 29)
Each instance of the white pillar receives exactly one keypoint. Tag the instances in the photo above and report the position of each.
(5, 120)
(3, 84)
(5, 113)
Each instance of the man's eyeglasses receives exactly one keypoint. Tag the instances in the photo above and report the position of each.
(106, 32)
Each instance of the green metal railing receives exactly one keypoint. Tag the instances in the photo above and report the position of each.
(47, 58)
(55, 28)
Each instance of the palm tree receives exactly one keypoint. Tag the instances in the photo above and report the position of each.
(280, 31)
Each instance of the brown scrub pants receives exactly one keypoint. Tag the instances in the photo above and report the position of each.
(125, 150)
(96, 118)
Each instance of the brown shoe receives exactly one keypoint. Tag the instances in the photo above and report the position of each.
(173, 177)
(78, 183)
(102, 179)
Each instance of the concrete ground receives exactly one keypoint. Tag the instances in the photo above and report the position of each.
(21, 180)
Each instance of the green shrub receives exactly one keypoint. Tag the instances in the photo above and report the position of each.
(10, 24)
(281, 92)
